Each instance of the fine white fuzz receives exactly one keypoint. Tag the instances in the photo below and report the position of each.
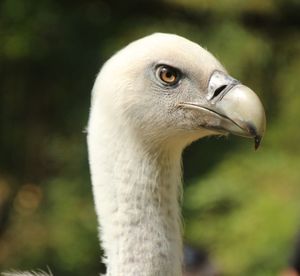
(27, 273)
(136, 136)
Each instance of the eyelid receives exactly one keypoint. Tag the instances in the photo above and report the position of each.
(167, 65)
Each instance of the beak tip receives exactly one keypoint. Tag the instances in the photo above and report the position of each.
(256, 134)
(257, 140)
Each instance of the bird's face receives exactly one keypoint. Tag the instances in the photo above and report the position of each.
(170, 88)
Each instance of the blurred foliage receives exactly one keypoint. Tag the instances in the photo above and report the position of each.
(242, 205)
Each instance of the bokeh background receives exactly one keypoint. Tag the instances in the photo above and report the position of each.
(242, 206)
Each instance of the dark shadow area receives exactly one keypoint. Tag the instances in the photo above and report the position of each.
(201, 157)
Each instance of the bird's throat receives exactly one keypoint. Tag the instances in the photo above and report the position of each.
(137, 202)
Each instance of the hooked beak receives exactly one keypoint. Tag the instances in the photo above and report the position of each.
(235, 108)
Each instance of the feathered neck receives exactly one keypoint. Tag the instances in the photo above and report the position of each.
(136, 190)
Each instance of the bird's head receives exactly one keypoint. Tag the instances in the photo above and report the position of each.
(168, 88)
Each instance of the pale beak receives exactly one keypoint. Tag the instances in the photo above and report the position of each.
(238, 108)
(245, 113)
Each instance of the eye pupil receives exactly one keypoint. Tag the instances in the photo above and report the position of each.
(169, 74)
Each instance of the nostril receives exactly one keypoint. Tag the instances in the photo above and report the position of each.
(219, 90)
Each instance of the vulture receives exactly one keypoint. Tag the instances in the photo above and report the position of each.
(151, 100)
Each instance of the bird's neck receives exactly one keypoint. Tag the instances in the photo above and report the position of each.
(137, 197)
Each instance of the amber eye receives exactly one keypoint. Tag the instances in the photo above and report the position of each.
(168, 74)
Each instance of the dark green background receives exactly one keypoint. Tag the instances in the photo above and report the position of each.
(243, 206)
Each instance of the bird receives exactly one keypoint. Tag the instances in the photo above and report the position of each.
(149, 101)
